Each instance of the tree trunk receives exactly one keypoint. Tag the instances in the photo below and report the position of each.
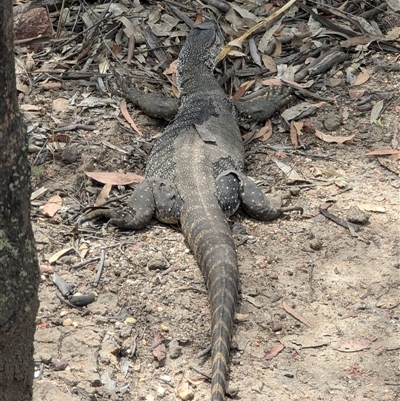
(19, 273)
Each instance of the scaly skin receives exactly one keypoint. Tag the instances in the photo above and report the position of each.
(195, 176)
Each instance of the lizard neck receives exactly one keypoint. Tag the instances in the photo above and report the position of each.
(195, 78)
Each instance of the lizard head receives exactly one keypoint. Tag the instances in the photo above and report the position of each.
(201, 48)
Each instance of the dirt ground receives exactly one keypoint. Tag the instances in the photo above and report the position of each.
(318, 316)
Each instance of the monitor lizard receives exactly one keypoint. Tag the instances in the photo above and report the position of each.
(195, 177)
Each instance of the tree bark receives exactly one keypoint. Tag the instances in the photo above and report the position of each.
(19, 273)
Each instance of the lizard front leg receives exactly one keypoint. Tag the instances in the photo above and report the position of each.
(136, 215)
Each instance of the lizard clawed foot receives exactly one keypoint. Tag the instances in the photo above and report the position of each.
(204, 352)
(284, 209)
(97, 214)
(292, 209)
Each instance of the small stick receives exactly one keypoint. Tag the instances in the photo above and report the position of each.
(100, 268)
(339, 221)
(64, 301)
(85, 262)
(64, 287)
(207, 376)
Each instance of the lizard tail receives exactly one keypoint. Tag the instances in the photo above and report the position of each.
(213, 246)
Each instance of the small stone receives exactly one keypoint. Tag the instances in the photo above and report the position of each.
(290, 375)
(357, 216)
(136, 368)
(158, 262)
(175, 350)
(164, 328)
(276, 325)
(96, 383)
(333, 121)
(60, 365)
(316, 244)
(67, 322)
(70, 154)
(130, 320)
(161, 391)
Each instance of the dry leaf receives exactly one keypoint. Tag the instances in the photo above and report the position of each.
(376, 111)
(333, 139)
(103, 195)
(269, 63)
(368, 207)
(295, 132)
(236, 53)
(183, 390)
(356, 94)
(238, 41)
(128, 118)
(38, 192)
(298, 111)
(266, 131)
(58, 254)
(354, 344)
(242, 90)
(52, 206)
(290, 173)
(273, 352)
(272, 82)
(383, 152)
(241, 317)
(30, 107)
(114, 178)
(362, 77)
(295, 314)
(172, 68)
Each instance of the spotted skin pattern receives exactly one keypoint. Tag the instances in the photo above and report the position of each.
(195, 176)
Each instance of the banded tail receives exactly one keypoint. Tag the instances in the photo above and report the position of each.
(210, 238)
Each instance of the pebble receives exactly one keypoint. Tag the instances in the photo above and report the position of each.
(175, 350)
(158, 262)
(357, 216)
(276, 325)
(69, 155)
(130, 320)
(333, 121)
(67, 322)
(164, 328)
(316, 244)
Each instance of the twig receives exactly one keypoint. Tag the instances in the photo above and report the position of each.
(64, 287)
(339, 221)
(100, 268)
(193, 289)
(207, 376)
(64, 301)
(85, 262)
(73, 127)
